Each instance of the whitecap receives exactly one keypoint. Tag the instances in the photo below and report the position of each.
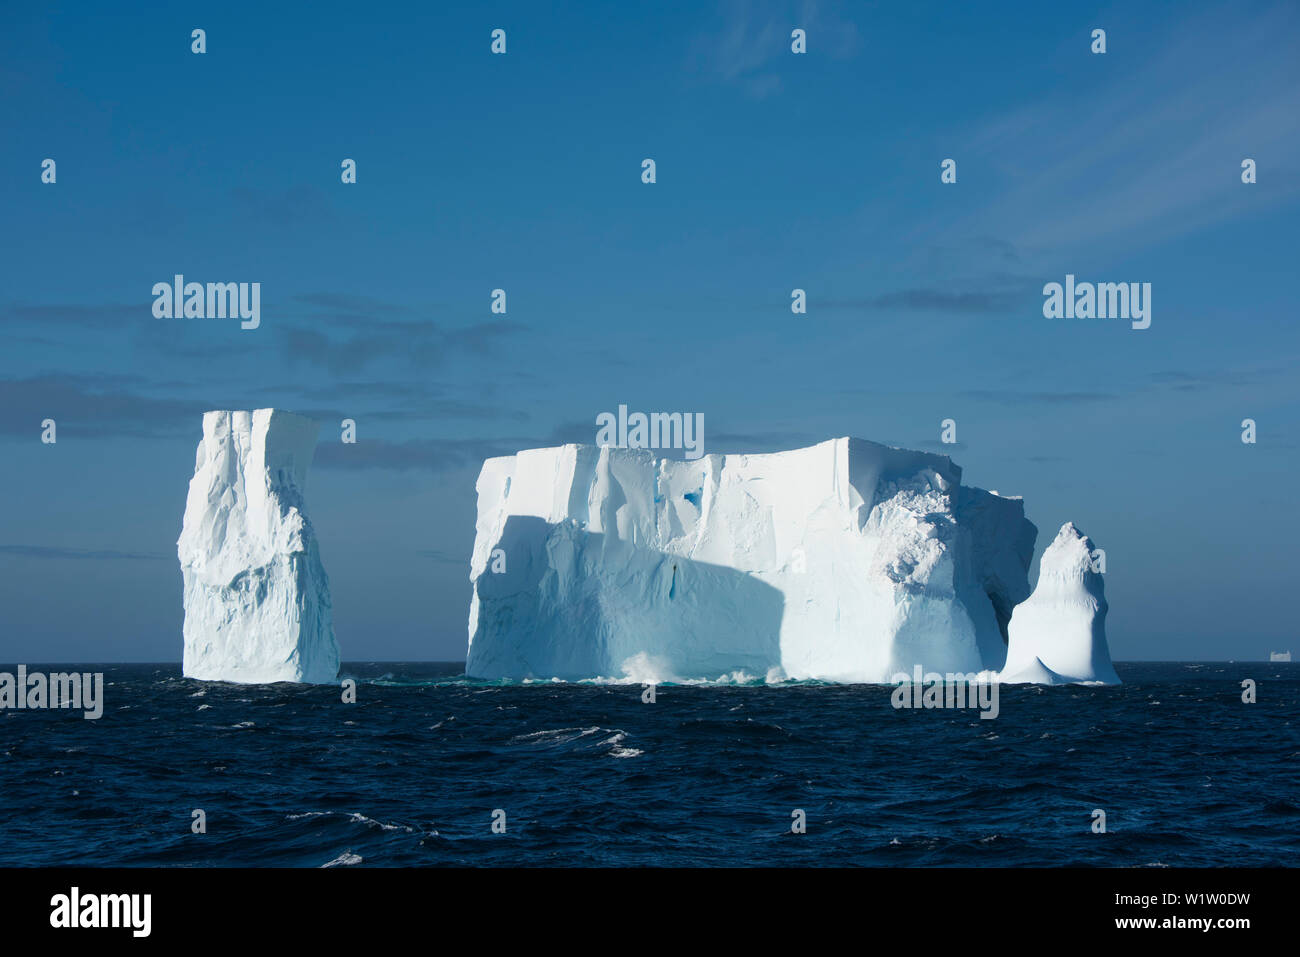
(343, 860)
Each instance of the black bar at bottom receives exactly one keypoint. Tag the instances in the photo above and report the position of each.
(213, 906)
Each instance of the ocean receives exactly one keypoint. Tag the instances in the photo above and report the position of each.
(429, 768)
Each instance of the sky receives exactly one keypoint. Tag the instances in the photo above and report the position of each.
(522, 171)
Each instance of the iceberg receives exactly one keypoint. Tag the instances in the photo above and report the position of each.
(1058, 635)
(257, 600)
(846, 561)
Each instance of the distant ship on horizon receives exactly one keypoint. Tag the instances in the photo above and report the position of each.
(1279, 656)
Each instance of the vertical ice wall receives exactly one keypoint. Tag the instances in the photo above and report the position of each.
(847, 561)
(257, 600)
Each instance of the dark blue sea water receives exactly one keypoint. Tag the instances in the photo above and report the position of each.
(590, 775)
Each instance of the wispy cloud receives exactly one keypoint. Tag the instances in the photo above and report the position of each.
(442, 557)
(345, 333)
(1206, 379)
(745, 45)
(1154, 153)
(107, 315)
(79, 554)
(430, 455)
(389, 401)
(290, 206)
(933, 299)
(1011, 397)
(92, 406)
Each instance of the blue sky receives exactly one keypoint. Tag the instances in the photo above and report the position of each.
(522, 171)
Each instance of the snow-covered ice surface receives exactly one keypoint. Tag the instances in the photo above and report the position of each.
(257, 600)
(1059, 635)
(844, 561)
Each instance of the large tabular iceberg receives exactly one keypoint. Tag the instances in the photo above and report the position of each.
(844, 561)
(1059, 634)
(257, 600)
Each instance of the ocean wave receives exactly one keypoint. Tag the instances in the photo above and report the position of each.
(345, 859)
(352, 817)
(588, 738)
(593, 776)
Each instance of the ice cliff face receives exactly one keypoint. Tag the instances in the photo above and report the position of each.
(845, 561)
(257, 600)
(1059, 634)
